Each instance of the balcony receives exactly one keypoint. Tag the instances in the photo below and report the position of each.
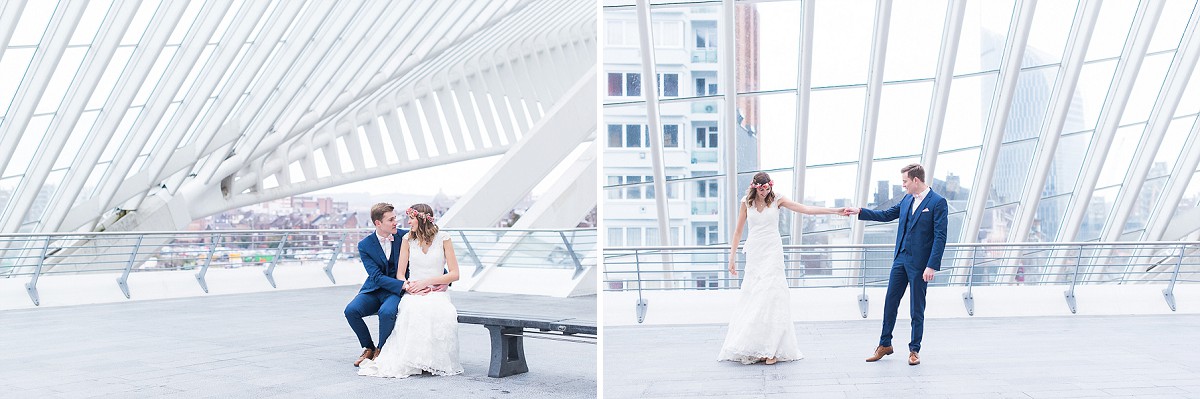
(704, 56)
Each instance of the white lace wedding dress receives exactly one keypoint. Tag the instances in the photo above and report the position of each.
(762, 326)
(426, 334)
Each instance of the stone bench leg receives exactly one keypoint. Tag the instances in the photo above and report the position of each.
(508, 352)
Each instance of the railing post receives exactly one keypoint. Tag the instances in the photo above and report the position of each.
(270, 272)
(571, 250)
(123, 281)
(1169, 292)
(337, 250)
(471, 251)
(1070, 292)
(31, 286)
(863, 299)
(212, 249)
(968, 297)
(641, 302)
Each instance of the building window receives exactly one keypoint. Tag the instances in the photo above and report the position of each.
(706, 36)
(633, 236)
(668, 84)
(633, 136)
(624, 84)
(636, 136)
(615, 193)
(706, 86)
(706, 137)
(668, 34)
(706, 234)
(616, 236)
(615, 134)
(615, 84)
(706, 281)
(633, 192)
(671, 136)
(622, 33)
(706, 189)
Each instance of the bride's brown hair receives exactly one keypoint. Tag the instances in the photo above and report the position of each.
(426, 229)
(760, 178)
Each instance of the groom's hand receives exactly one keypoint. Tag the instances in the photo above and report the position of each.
(849, 211)
(928, 275)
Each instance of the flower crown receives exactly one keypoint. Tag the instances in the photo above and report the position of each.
(769, 183)
(413, 213)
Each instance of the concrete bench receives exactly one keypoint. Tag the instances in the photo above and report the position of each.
(507, 332)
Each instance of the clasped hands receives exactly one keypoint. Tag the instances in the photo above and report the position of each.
(421, 287)
(847, 211)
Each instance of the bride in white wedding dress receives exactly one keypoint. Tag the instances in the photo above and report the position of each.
(761, 328)
(425, 338)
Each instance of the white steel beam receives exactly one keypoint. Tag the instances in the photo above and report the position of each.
(944, 78)
(1132, 54)
(1006, 87)
(866, 154)
(1086, 14)
(168, 85)
(116, 105)
(41, 68)
(568, 124)
(112, 28)
(1174, 84)
(728, 130)
(803, 94)
(10, 13)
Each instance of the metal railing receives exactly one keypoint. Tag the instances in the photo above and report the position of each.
(1065, 264)
(33, 255)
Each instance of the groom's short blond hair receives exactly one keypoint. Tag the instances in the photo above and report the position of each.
(914, 171)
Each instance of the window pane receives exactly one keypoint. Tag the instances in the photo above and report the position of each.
(671, 85)
(614, 135)
(671, 136)
(633, 84)
(614, 84)
(633, 136)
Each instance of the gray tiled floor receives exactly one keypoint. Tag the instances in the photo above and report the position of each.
(285, 344)
(1028, 357)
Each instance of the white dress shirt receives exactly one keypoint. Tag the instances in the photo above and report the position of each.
(917, 200)
(386, 245)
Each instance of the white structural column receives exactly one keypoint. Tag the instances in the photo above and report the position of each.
(1006, 86)
(1117, 97)
(33, 85)
(569, 199)
(728, 130)
(65, 118)
(803, 94)
(944, 78)
(1174, 84)
(866, 154)
(525, 164)
(217, 118)
(1177, 183)
(10, 13)
(1061, 95)
(653, 123)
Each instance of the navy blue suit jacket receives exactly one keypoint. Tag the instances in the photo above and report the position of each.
(381, 271)
(922, 233)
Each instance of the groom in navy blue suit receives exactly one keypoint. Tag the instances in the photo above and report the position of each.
(920, 242)
(381, 292)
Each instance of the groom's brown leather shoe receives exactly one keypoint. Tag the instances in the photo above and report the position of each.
(880, 352)
(368, 353)
(913, 359)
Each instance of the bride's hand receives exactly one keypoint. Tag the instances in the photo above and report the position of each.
(733, 267)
